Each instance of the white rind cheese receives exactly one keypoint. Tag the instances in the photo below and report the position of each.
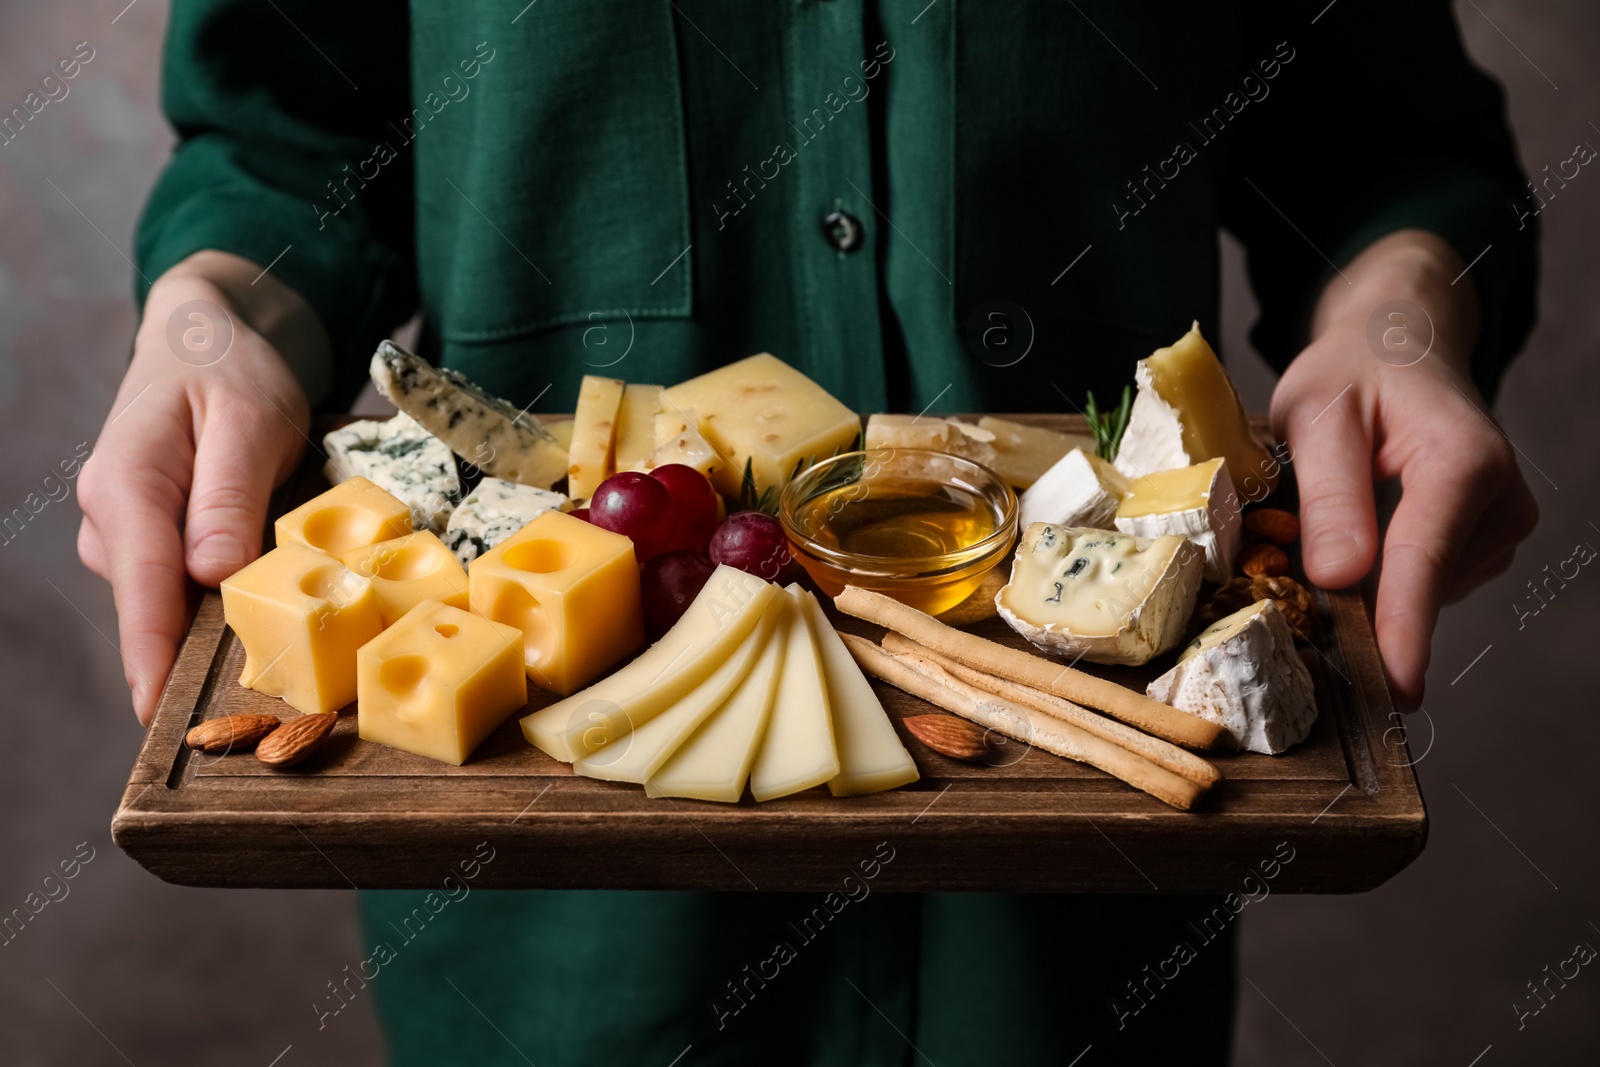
(1081, 489)
(484, 430)
(494, 511)
(1153, 440)
(1244, 674)
(1196, 502)
(1102, 595)
(403, 459)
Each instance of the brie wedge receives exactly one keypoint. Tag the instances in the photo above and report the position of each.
(1196, 502)
(1101, 595)
(1080, 490)
(403, 459)
(1244, 674)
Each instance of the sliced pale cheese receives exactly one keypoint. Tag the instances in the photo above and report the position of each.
(1080, 490)
(941, 435)
(638, 754)
(1023, 453)
(1244, 674)
(798, 751)
(1196, 502)
(871, 757)
(719, 618)
(679, 440)
(714, 763)
(561, 431)
(1187, 411)
(594, 435)
(1103, 595)
(636, 426)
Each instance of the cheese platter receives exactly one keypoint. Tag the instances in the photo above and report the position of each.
(727, 634)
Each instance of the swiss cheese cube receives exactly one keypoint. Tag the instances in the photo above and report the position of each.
(762, 411)
(409, 570)
(439, 681)
(572, 589)
(351, 515)
(300, 616)
(594, 435)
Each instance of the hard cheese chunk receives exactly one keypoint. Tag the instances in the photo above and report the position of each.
(714, 763)
(353, 514)
(871, 757)
(941, 435)
(638, 754)
(594, 435)
(679, 440)
(636, 426)
(439, 681)
(402, 458)
(1081, 489)
(300, 616)
(572, 589)
(494, 511)
(1100, 594)
(1196, 502)
(1244, 674)
(1186, 411)
(762, 411)
(719, 618)
(798, 751)
(409, 570)
(1023, 453)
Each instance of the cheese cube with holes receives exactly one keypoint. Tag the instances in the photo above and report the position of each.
(439, 681)
(409, 570)
(763, 412)
(351, 515)
(573, 591)
(300, 616)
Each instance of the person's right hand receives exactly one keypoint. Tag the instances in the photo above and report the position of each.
(196, 439)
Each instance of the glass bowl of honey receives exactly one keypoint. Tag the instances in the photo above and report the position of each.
(921, 526)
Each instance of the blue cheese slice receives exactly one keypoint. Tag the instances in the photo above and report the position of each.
(484, 430)
(494, 511)
(1102, 595)
(403, 459)
(1244, 674)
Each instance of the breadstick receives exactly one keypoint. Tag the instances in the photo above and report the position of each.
(1131, 707)
(1163, 754)
(924, 678)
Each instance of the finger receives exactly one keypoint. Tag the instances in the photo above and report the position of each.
(1461, 586)
(1332, 448)
(1504, 524)
(228, 503)
(91, 550)
(145, 565)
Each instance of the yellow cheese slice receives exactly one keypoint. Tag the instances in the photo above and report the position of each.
(714, 763)
(636, 427)
(715, 623)
(798, 751)
(594, 435)
(561, 431)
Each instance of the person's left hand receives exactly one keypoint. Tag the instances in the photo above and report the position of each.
(1352, 418)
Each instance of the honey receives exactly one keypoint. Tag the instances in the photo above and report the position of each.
(897, 520)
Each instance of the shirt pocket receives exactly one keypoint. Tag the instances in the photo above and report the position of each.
(557, 193)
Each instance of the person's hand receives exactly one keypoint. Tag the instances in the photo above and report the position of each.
(1353, 416)
(209, 418)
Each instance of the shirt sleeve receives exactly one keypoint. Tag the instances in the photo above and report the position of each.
(287, 156)
(1378, 123)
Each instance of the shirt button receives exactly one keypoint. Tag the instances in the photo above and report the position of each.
(842, 231)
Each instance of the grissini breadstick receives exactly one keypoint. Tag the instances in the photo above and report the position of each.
(924, 678)
(1133, 708)
(1162, 753)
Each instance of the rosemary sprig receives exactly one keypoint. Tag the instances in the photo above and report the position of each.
(1108, 426)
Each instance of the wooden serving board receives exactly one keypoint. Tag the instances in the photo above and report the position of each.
(362, 815)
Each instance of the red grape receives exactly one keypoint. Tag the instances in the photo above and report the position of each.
(753, 541)
(668, 584)
(638, 507)
(694, 506)
(580, 513)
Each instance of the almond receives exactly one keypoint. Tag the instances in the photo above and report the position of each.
(1264, 561)
(1274, 525)
(949, 736)
(296, 739)
(231, 732)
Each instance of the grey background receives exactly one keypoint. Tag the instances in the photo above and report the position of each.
(1423, 971)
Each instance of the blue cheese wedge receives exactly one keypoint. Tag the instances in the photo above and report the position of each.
(1101, 595)
(484, 430)
(1244, 674)
(494, 511)
(1196, 502)
(402, 458)
(1080, 489)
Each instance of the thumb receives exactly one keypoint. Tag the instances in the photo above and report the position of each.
(236, 463)
(1331, 444)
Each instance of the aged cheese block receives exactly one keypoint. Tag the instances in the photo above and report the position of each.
(1023, 453)
(1244, 674)
(594, 435)
(572, 589)
(798, 751)
(1104, 595)
(300, 616)
(402, 458)
(494, 511)
(679, 440)
(408, 570)
(1081, 489)
(1196, 502)
(959, 438)
(439, 681)
(353, 514)
(763, 411)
